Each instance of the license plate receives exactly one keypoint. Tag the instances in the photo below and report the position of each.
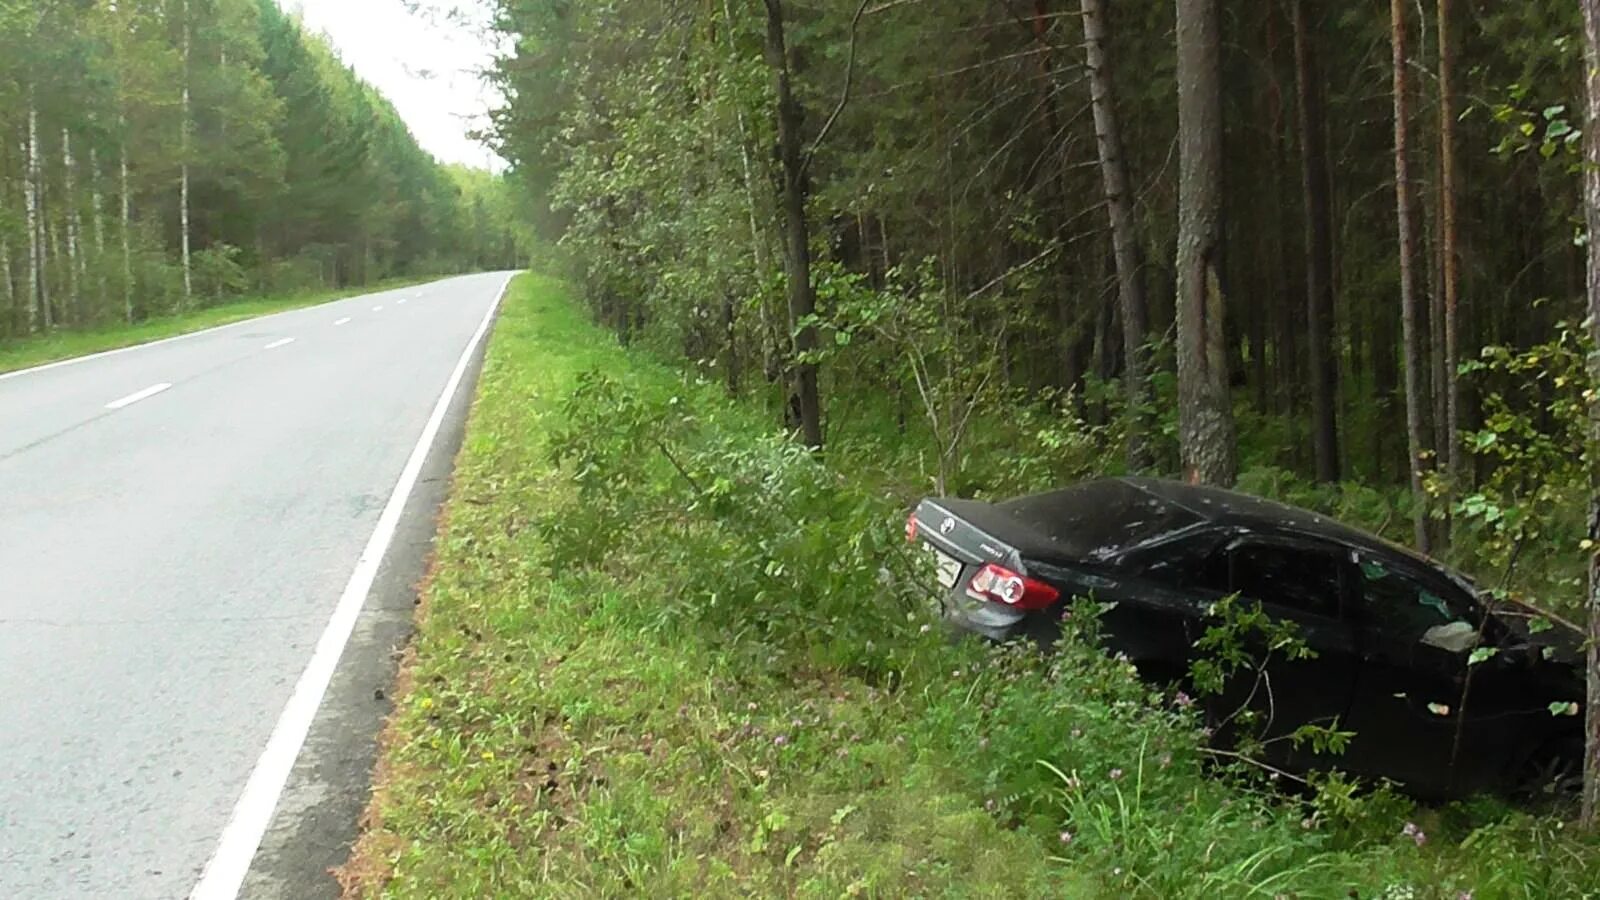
(949, 568)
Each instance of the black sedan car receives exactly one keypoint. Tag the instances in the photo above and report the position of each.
(1394, 634)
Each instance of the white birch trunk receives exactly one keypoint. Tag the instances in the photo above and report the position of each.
(97, 215)
(74, 300)
(127, 229)
(6, 274)
(30, 190)
(183, 186)
(52, 237)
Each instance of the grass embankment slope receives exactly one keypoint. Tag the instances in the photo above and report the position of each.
(663, 654)
(23, 353)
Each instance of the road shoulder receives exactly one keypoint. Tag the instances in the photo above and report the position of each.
(317, 817)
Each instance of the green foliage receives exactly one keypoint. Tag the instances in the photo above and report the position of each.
(1532, 445)
(750, 534)
(218, 273)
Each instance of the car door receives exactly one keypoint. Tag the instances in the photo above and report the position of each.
(1412, 719)
(1305, 582)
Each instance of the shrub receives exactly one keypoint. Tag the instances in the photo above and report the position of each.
(217, 274)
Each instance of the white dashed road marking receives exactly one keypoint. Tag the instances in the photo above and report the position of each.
(342, 321)
(145, 394)
(282, 342)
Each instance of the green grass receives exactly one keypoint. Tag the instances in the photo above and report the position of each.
(23, 353)
(600, 702)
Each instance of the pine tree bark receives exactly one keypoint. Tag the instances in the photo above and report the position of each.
(1449, 240)
(1124, 234)
(1591, 198)
(1205, 414)
(805, 398)
(1323, 355)
(1410, 300)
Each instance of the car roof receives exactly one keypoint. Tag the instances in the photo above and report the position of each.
(1232, 509)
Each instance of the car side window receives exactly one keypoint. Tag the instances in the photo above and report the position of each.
(1305, 579)
(1191, 561)
(1400, 605)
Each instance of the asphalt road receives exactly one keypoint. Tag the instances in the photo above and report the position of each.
(178, 523)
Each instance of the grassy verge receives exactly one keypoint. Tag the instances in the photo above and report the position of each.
(662, 654)
(26, 352)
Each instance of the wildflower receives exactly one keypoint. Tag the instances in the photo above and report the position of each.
(751, 706)
(924, 629)
(1416, 834)
(781, 740)
(1077, 732)
(1116, 774)
(1463, 895)
(1166, 760)
(1183, 700)
(983, 743)
(989, 805)
(1066, 837)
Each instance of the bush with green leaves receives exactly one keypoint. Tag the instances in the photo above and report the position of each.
(217, 273)
(748, 532)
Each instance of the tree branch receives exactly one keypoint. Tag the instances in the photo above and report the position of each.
(844, 94)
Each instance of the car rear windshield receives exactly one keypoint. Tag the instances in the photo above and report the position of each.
(1100, 518)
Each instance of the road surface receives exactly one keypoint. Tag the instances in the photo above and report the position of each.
(180, 525)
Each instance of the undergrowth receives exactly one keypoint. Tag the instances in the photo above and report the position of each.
(665, 653)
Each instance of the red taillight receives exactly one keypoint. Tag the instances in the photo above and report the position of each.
(911, 529)
(1001, 585)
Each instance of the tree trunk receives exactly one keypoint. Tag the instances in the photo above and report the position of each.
(1205, 414)
(127, 227)
(1314, 180)
(1449, 241)
(30, 191)
(1124, 238)
(759, 236)
(69, 199)
(1591, 197)
(183, 176)
(1411, 330)
(805, 400)
(6, 276)
(97, 213)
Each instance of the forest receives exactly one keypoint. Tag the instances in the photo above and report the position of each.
(162, 156)
(1334, 253)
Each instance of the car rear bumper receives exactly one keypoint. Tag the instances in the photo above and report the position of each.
(994, 621)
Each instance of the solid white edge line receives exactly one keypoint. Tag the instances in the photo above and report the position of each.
(225, 872)
(135, 397)
(282, 342)
(177, 337)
